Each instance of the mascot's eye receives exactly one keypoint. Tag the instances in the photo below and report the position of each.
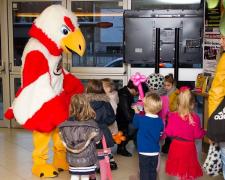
(65, 30)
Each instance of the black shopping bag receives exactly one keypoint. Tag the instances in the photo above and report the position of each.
(216, 124)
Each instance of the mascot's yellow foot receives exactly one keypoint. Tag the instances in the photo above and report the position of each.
(60, 164)
(44, 170)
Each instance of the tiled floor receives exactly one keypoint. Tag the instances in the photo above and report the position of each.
(15, 160)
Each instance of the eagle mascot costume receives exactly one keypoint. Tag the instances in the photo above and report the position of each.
(42, 102)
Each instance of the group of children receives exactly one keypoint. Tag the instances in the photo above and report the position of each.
(169, 112)
(168, 115)
(92, 115)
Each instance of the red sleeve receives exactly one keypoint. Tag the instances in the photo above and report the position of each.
(199, 132)
(72, 85)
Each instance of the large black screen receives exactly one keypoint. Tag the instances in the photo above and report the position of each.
(140, 37)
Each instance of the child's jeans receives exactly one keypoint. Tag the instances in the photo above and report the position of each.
(147, 166)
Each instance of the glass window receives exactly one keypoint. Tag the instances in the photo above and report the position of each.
(24, 14)
(102, 25)
(17, 84)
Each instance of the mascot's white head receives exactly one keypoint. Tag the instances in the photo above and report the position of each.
(57, 29)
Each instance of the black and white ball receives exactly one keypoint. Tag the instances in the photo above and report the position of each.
(155, 81)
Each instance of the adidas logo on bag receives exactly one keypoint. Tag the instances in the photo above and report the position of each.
(220, 115)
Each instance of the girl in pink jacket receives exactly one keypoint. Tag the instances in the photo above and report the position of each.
(184, 127)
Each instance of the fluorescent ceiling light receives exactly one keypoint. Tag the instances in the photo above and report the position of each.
(180, 1)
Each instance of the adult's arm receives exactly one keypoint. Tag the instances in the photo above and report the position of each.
(217, 91)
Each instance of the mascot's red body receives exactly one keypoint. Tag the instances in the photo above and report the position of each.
(42, 102)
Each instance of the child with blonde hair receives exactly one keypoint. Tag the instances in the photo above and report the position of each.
(80, 135)
(150, 127)
(184, 127)
(155, 83)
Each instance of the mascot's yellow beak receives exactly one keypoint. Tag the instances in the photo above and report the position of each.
(74, 42)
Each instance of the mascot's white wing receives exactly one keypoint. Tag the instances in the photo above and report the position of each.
(36, 83)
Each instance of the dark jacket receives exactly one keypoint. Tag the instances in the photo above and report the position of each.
(125, 113)
(80, 138)
(105, 115)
